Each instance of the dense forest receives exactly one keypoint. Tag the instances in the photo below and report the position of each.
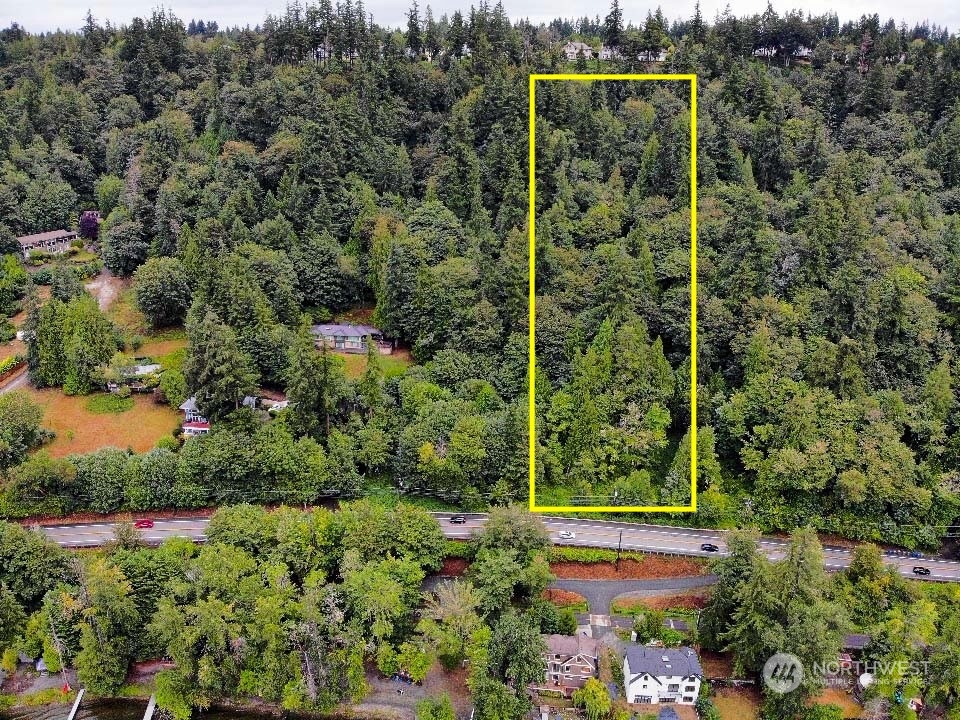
(253, 180)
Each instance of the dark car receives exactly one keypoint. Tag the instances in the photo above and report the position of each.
(916, 554)
(919, 570)
(457, 519)
(709, 547)
(143, 524)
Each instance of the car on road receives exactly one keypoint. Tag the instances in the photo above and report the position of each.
(709, 547)
(143, 524)
(457, 520)
(566, 535)
(920, 570)
(916, 554)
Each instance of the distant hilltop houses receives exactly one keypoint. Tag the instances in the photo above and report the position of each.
(574, 49)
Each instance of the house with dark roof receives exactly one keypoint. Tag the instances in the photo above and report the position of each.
(350, 338)
(570, 660)
(55, 242)
(653, 675)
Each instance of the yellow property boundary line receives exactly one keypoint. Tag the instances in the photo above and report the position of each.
(692, 507)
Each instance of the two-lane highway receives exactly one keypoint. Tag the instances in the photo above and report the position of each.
(579, 532)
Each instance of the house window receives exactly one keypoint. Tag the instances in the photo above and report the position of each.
(687, 699)
(556, 657)
(566, 668)
(642, 699)
(690, 688)
(673, 688)
(668, 699)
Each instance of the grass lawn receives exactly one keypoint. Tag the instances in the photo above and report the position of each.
(393, 365)
(168, 351)
(737, 703)
(841, 698)
(122, 309)
(79, 430)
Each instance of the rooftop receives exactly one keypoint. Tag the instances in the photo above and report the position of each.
(45, 236)
(855, 641)
(656, 661)
(571, 645)
(347, 329)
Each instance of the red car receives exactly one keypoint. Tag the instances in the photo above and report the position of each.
(143, 524)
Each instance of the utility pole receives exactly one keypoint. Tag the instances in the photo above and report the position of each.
(619, 549)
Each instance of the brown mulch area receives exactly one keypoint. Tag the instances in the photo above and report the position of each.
(690, 601)
(650, 568)
(454, 567)
(145, 670)
(563, 598)
(716, 665)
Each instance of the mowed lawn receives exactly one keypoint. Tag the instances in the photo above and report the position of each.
(737, 703)
(79, 430)
(393, 365)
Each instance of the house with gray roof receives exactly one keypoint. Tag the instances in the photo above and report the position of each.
(54, 242)
(654, 675)
(350, 338)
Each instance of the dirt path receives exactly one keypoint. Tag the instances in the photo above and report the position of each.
(105, 288)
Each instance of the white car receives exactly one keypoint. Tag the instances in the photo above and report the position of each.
(566, 535)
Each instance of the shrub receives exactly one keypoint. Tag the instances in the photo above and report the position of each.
(9, 363)
(458, 549)
(42, 277)
(7, 330)
(110, 404)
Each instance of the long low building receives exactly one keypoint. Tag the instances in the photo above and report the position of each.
(346, 337)
(54, 242)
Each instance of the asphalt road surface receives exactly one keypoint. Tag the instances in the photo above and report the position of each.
(587, 533)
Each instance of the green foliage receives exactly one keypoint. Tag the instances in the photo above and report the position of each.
(594, 699)
(435, 708)
(13, 284)
(20, 428)
(109, 404)
(162, 291)
(217, 371)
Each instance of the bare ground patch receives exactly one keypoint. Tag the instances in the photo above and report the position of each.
(649, 568)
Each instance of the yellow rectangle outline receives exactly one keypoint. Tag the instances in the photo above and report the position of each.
(692, 507)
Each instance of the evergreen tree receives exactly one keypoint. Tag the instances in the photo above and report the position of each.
(217, 371)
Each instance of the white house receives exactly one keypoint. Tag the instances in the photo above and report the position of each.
(572, 49)
(609, 53)
(655, 675)
(193, 422)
